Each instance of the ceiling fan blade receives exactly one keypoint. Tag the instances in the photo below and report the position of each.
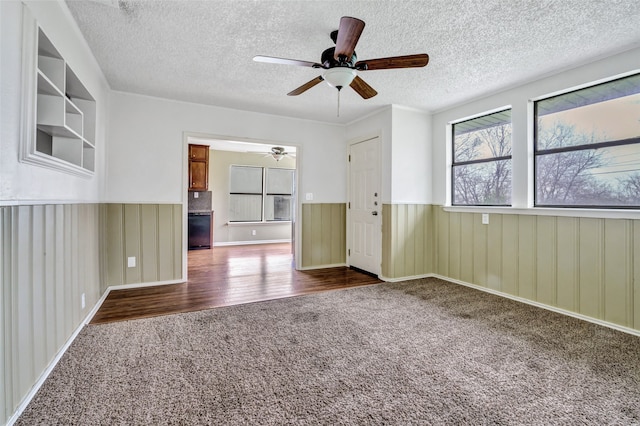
(283, 61)
(348, 35)
(308, 85)
(408, 61)
(362, 88)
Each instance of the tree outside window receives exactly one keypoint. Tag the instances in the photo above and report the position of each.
(481, 169)
(587, 147)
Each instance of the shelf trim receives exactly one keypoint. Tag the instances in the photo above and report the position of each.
(51, 162)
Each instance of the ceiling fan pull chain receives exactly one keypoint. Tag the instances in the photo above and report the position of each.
(339, 101)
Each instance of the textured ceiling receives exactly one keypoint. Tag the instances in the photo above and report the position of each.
(201, 51)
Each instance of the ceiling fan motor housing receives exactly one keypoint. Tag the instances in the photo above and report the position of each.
(328, 61)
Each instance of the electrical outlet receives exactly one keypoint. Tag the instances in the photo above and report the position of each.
(253, 232)
(485, 218)
(131, 262)
(82, 301)
(308, 196)
(196, 195)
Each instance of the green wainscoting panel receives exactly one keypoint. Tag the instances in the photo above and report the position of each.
(636, 275)
(527, 257)
(324, 234)
(589, 266)
(152, 233)
(567, 248)
(509, 281)
(618, 272)
(50, 259)
(455, 245)
(546, 260)
(407, 240)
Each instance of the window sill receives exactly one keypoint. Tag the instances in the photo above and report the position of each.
(278, 222)
(541, 211)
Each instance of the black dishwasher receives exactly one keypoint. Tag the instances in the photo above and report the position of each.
(199, 230)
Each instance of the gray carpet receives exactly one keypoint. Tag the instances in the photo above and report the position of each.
(418, 352)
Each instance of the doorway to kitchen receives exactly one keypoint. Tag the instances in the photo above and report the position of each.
(250, 193)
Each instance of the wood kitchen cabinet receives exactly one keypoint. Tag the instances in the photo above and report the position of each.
(198, 167)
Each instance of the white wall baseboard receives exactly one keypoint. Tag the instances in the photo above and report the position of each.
(149, 284)
(309, 268)
(542, 305)
(412, 277)
(245, 243)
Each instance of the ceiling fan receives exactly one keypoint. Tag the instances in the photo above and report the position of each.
(278, 153)
(342, 65)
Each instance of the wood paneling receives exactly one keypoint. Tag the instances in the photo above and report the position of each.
(455, 245)
(324, 232)
(567, 294)
(509, 254)
(590, 267)
(50, 257)
(617, 272)
(480, 253)
(152, 233)
(494, 252)
(546, 260)
(584, 265)
(636, 275)
(407, 240)
(466, 246)
(527, 257)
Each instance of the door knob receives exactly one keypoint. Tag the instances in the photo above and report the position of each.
(375, 213)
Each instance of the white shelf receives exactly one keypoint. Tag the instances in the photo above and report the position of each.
(88, 156)
(53, 69)
(65, 114)
(68, 149)
(72, 117)
(46, 86)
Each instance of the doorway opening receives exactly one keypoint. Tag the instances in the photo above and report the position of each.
(250, 193)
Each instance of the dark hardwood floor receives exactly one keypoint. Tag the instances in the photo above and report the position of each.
(226, 276)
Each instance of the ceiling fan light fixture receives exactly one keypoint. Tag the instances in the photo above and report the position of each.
(278, 152)
(339, 77)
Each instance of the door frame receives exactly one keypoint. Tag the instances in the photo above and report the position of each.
(378, 235)
(296, 228)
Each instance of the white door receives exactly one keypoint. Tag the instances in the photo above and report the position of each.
(365, 206)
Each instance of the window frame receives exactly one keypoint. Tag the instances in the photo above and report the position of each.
(454, 164)
(263, 195)
(536, 153)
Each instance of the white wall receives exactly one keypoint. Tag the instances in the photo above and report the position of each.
(25, 182)
(146, 147)
(405, 137)
(410, 158)
(518, 98)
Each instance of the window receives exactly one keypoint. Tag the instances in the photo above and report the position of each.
(481, 168)
(587, 147)
(260, 194)
(277, 204)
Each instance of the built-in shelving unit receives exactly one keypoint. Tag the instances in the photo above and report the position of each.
(65, 115)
